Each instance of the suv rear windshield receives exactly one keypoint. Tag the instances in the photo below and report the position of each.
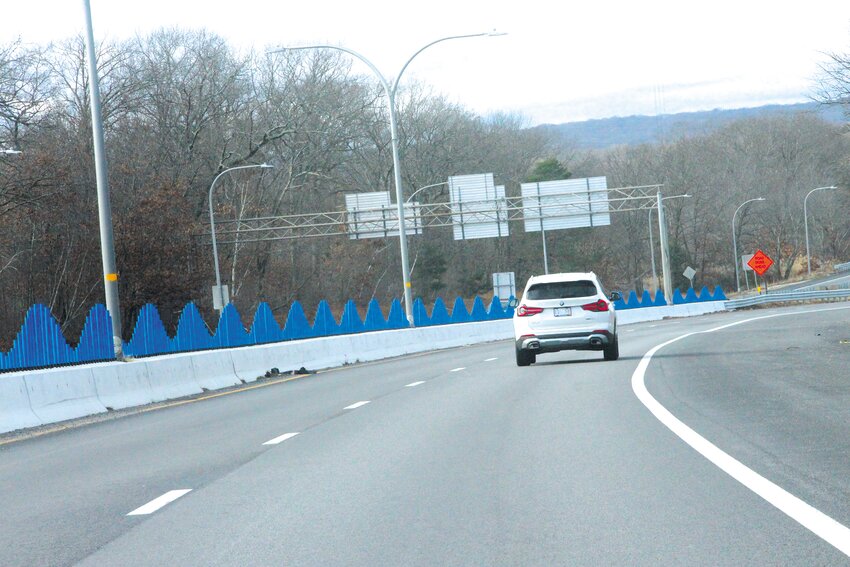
(561, 290)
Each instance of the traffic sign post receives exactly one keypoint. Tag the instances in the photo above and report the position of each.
(760, 263)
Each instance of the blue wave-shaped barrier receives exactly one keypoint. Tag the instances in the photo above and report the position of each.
(40, 341)
(691, 296)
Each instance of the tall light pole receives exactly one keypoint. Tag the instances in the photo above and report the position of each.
(212, 225)
(107, 246)
(391, 92)
(735, 242)
(652, 245)
(806, 223)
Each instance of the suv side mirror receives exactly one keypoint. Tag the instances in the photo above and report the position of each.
(513, 302)
(615, 296)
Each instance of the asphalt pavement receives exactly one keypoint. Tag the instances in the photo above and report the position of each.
(459, 457)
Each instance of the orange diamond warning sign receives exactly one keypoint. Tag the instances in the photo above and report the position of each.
(760, 262)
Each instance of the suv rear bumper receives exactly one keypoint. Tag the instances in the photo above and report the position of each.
(564, 341)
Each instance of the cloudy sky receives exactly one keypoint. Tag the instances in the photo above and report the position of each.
(561, 61)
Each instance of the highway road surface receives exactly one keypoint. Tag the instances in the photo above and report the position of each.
(727, 447)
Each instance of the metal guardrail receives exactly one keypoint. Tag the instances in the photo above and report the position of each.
(842, 267)
(788, 296)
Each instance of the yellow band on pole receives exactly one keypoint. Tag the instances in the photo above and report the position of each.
(112, 277)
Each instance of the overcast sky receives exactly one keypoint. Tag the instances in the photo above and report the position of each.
(561, 61)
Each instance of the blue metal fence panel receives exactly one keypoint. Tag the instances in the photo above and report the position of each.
(297, 326)
(375, 320)
(96, 339)
(192, 333)
(479, 312)
(324, 324)
(439, 314)
(459, 312)
(265, 329)
(420, 314)
(40, 341)
(230, 331)
(719, 295)
(397, 319)
(496, 310)
(351, 321)
(149, 336)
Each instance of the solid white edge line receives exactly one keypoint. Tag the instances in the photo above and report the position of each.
(159, 502)
(356, 405)
(817, 522)
(281, 438)
(458, 369)
(412, 384)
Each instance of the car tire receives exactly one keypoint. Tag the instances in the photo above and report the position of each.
(612, 351)
(524, 358)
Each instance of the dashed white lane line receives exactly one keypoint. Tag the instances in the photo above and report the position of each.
(412, 384)
(491, 359)
(458, 369)
(281, 438)
(158, 503)
(356, 405)
(806, 515)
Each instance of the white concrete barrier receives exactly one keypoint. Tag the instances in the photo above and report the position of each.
(122, 385)
(15, 410)
(250, 363)
(57, 394)
(171, 376)
(37, 397)
(214, 369)
(642, 314)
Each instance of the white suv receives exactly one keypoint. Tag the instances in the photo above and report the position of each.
(564, 312)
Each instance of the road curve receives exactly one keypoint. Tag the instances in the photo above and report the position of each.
(458, 457)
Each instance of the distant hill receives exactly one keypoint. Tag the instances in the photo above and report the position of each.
(631, 130)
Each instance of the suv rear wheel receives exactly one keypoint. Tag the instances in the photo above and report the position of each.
(524, 358)
(612, 351)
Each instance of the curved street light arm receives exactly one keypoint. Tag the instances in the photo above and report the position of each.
(412, 57)
(351, 52)
(423, 188)
(735, 242)
(399, 193)
(212, 223)
(806, 226)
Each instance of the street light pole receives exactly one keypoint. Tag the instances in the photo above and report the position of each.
(107, 246)
(806, 223)
(212, 225)
(390, 92)
(735, 242)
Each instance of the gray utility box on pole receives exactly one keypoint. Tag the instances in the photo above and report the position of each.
(221, 297)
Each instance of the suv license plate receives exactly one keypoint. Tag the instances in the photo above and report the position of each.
(562, 312)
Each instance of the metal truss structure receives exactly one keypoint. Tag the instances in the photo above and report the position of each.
(341, 223)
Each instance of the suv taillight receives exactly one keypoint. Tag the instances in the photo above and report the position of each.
(525, 311)
(596, 306)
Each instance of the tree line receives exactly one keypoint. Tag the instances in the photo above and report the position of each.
(181, 106)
